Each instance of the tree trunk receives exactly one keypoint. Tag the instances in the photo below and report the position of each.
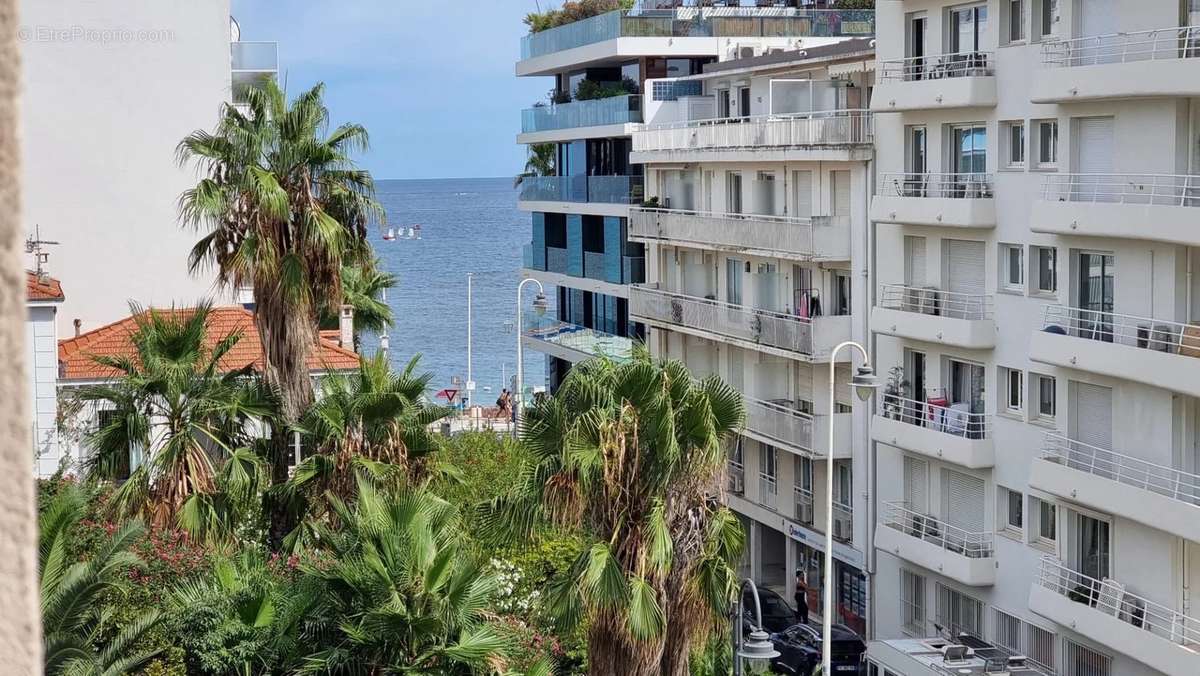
(611, 651)
(288, 336)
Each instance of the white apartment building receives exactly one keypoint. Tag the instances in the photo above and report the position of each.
(1038, 457)
(110, 89)
(603, 68)
(756, 268)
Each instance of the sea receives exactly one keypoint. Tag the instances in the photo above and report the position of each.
(467, 225)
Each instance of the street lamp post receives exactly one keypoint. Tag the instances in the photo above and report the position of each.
(470, 376)
(865, 383)
(539, 305)
(759, 648)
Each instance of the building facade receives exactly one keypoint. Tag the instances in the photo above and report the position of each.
(602, 69)
(1038, 471)
(110, 91)
(757, 175)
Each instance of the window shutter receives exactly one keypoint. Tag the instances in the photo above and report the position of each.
(965, 266)
(963, 501)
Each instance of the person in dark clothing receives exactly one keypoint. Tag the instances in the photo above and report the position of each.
(801, 596)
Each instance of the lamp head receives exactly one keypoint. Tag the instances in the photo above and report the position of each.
(865, 382)
(758, 648)
(540, 304)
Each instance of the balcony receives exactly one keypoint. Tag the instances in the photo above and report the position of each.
(572, 342)
(779, 423)
(965, 80)
(1141, 349)
(947, 200)
(1157, 496)
(1106, 612)
(1155, 207)
(1120, 66)
(969, 558)
(772, 332)
(582, 189)
(827, 135)
(953, 433)
(536, 122)
(820, 238)
(597, 266)
(680, 24)
(768, 492)
(935, 316)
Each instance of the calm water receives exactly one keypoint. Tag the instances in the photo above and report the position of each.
(467, 225)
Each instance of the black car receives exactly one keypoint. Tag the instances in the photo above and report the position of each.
(799, 649)
(777, 615)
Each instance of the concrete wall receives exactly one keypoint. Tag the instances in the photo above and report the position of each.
(111, 89)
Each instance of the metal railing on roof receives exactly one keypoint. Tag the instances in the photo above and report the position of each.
(1174, 42)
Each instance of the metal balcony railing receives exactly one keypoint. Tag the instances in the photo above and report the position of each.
(254, 57)
(768, 491)
(953, 539)
(590, 113)
(1168, 190)
(956, 419)
(578, 338)
(945, 186)
(700, 18)
(1114, 599)
(1175, 42)
(778, 419)
(737, 478)
(763, 327)
(825, 128)
(777, 233)
(963, 64)
(1109, 327)
(1159, 479)
(929, 301)
(804, 505)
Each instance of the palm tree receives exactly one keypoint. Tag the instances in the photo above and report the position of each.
(374, 422)
(399, 593)
(363, 286)
(282, 206)
(173, 400)
(539, 162)
(632, 456)
(72, 595)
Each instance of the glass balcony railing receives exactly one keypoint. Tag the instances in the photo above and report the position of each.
(556, 260)
(594, 189)
(592, 113)
(587, 342)
(255, 56)
(702, 22)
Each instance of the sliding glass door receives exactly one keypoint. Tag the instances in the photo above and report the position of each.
(1096, 291)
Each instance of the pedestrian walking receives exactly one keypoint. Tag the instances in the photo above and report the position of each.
(801, 596)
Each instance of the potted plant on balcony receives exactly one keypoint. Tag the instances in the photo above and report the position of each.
(896, 389)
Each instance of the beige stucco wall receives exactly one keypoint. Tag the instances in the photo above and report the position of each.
(20, 641)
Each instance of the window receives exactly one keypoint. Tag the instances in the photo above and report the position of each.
(1079, 660)
(733, 192)
(957, 612)
(1013, 382)
(1044, 393)
(1047, 141)
(1014, 136)
(1046, 260)
(1046, 528)
(1022, 638)
(1011, 511)
(1012, 268)
(1039, 647)
(1047, 17)
(968, 26)
(841, 293)
(912, 602)
(1016, 20)
(968, 148)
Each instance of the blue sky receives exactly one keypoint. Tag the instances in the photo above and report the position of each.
(432, 81)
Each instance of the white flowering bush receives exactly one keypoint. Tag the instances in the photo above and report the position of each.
(515, 595)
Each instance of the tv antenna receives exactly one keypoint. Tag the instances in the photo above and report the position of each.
(37, 246)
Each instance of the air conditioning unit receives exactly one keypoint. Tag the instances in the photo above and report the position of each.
(804, 513)
(737, 484)
(842, 529)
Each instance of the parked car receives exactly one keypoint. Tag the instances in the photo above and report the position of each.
(799, 649)
(777, 615)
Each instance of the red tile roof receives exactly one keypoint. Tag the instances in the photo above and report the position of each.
(46, 288)
(75, 360)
